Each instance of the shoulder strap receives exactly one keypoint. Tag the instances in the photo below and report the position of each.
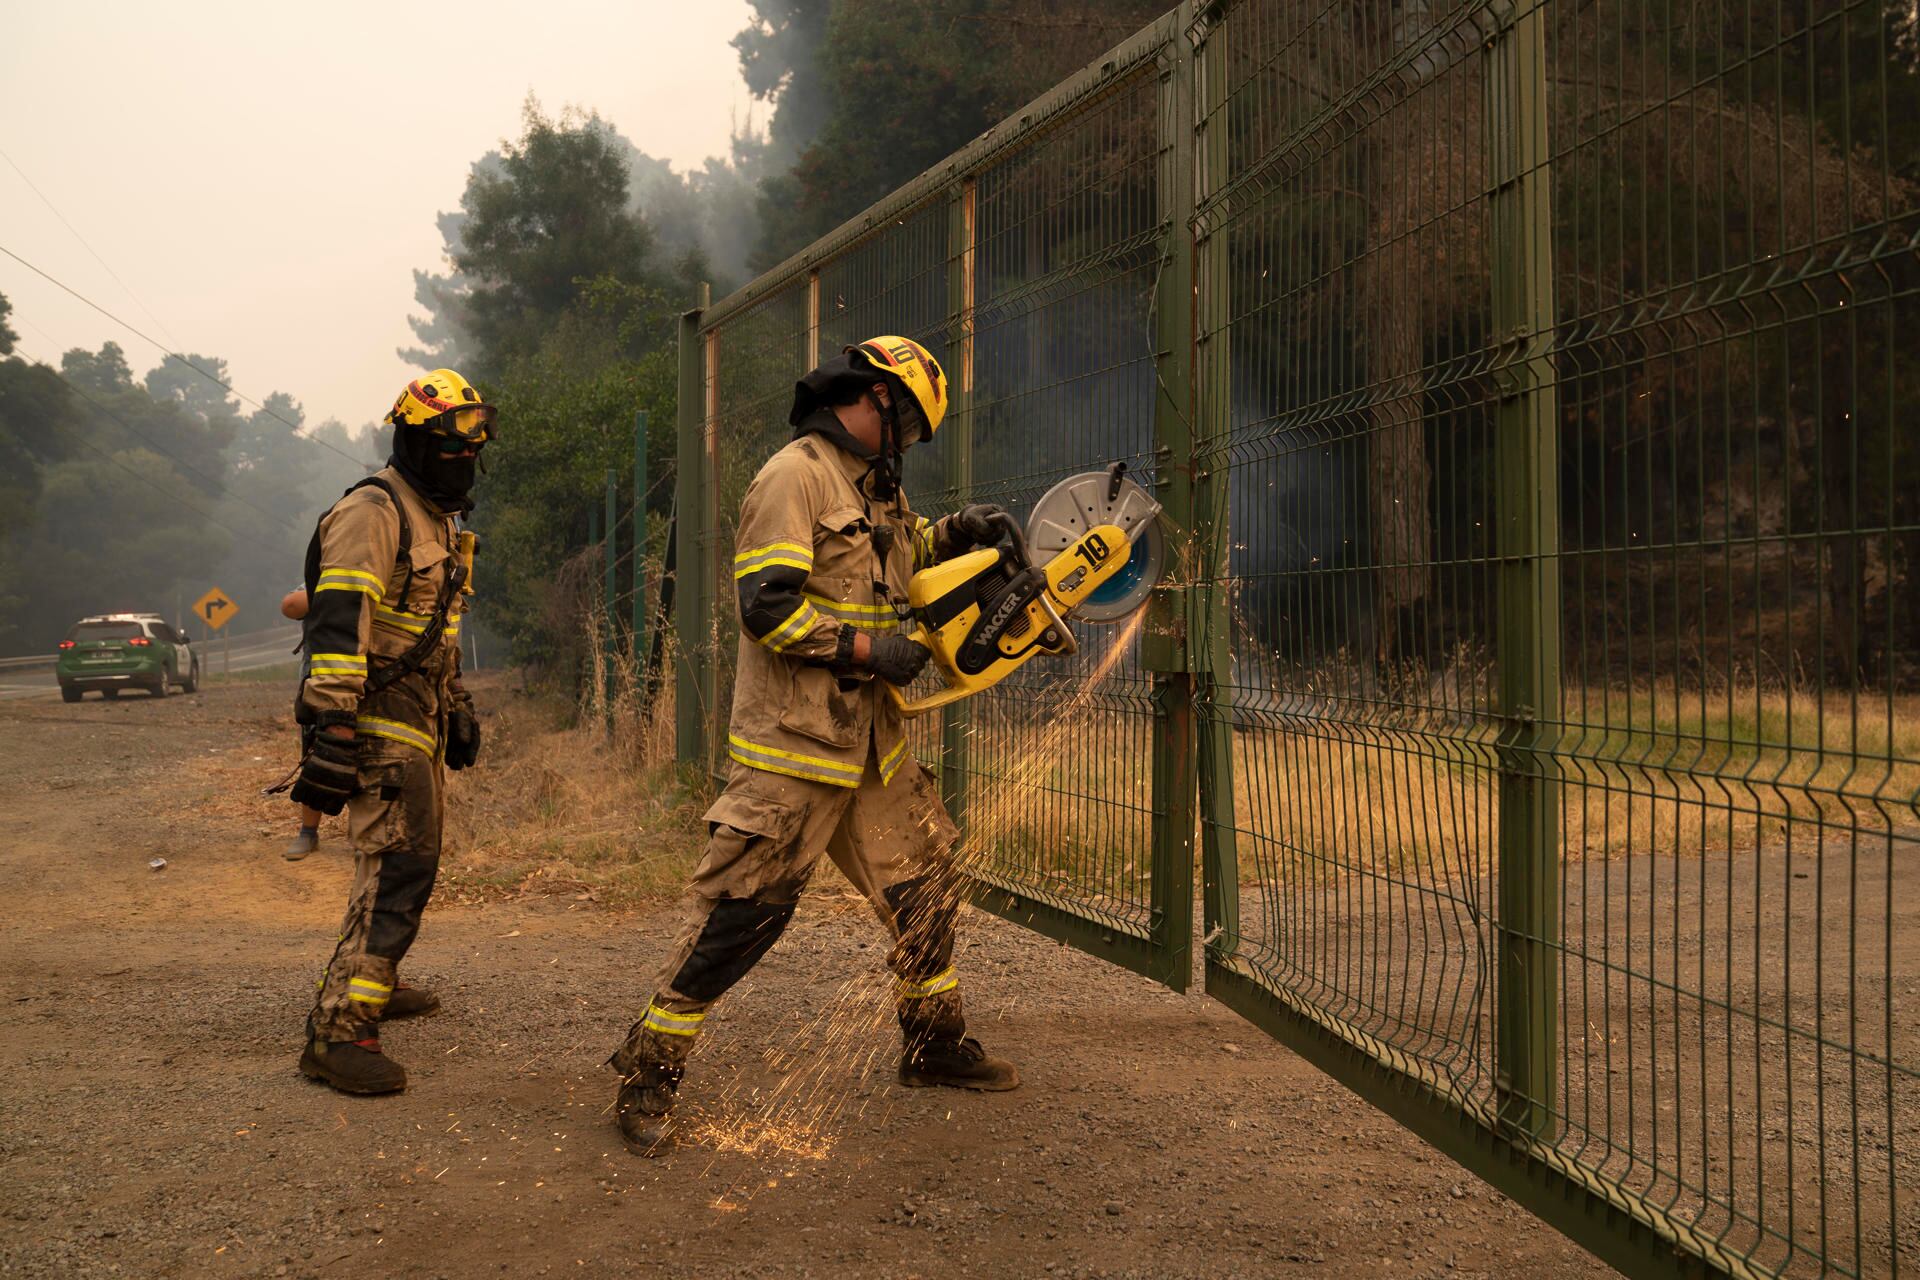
(403, 556)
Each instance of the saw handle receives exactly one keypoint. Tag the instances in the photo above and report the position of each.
(912, 707)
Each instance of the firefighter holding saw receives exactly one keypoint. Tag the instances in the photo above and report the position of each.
(386, 574)
(825, 546)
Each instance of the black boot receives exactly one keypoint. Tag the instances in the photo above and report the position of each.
(352, 1066)
(409, 1002)
(644, 1105)
(959, 1064)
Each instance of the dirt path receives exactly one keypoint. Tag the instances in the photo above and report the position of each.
(153, 1123)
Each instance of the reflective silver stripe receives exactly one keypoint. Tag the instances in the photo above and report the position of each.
(891, 765)
(868, 617)
(944, 981)
(673, 1024)
(798, 623)
(791, 554)
(395, 731)
(414, 622)
(351, 580)
(793, 764)
(367, 991)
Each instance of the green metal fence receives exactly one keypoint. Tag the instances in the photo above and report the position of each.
(1536, 678)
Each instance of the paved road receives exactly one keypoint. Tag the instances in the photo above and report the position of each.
(250, 652)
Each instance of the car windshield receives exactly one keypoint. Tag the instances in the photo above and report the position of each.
(105, 631)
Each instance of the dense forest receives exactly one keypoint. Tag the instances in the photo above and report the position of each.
(572, 251)
(124, 493)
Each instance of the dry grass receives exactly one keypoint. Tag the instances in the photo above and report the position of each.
(1653, 769)
(576, 801)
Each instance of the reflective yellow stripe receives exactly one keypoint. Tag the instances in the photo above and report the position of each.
(318, 670)
(370, 985)
(890, 765)
(351, 580)
(348, 659)
(804, 552)
(673, 1024)
(791, 554)
(933, 986)
(394, 730)
(793, 764)
(414, 622)
(871, 617)
(355, 995)
(798, 623)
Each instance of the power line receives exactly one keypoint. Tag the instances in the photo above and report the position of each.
(52, 208)
(155, 445)
(175, 355)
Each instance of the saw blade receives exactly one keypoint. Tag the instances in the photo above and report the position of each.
(1082, 502)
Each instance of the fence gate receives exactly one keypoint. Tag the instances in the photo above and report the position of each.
(1535, 679)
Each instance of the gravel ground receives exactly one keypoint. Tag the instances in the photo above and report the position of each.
(153, 1123)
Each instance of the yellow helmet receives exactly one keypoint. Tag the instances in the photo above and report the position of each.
(917, 370)
(446, 404)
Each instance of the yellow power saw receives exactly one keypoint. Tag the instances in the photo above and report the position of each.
(985, 613)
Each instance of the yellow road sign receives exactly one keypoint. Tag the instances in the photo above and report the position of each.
(215, 608)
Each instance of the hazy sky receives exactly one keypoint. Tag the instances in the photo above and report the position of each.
(264, 176)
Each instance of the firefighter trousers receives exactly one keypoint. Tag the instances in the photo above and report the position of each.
(393, 822)
(892, 840)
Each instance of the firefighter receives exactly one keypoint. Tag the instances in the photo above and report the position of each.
(383, 699)
(819, 761)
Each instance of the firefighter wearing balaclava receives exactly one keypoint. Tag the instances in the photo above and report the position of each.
(386, 712)
(824, 547)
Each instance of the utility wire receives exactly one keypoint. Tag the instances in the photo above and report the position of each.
(175, 355)
(157, 447)
(52, 208)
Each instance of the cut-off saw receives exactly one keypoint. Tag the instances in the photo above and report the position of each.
(1092, 550)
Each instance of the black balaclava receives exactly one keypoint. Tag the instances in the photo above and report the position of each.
(812, 414)
(443, 481)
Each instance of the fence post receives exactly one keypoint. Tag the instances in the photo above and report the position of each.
(589, 675)
(693, 580)
(608, 661)
(956, 719)
(1167, 641)
(1527, 544)
(1212, 411)
(637, 630)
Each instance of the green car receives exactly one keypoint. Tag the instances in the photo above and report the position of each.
(115, 650)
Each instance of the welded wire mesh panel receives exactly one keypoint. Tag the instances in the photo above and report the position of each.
(896, 282)
(751, 365)
(1343, 362)
(1735, 207)
(1557, 357)
(1069, 235)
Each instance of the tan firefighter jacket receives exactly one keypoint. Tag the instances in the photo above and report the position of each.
(367, 609)
(805, 567)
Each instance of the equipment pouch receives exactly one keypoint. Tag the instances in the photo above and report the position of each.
(751, 848)
(818, 708)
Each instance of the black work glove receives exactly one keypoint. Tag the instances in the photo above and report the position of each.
(329, 774)
(463, 738)
(974, 524)
(896, 659)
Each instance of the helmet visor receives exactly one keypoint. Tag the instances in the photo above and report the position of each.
(471, 423)
(910, 418)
